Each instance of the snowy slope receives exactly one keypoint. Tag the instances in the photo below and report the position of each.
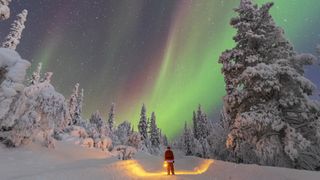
(70, 161)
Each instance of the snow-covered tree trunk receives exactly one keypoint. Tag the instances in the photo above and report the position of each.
(13, 39)
(4, 9)
(272, 119)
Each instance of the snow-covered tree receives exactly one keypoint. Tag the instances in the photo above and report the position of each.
(13, 39)
(196, 147)
(271, 115)
(37, 111)
(187, 140)
(47, 77)
(80, 102)
(205, 148)
(96, 119)
(26, 113)
(123, 132)
(73, 104)
(134, 140)
(13, 71)
(36, 75)
(203, 126)
(111, 117)
(4, 9)
(200, 124)
(143, 126)
(217, 138)
(195, 125)
(154, 132)
(78, 109)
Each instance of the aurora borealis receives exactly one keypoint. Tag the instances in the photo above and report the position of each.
(163, 53)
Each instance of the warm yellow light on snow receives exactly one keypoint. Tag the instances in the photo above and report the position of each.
(165, 164)
(135, 169)
(202, 168)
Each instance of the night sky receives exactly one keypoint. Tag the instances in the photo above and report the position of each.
(163, 53)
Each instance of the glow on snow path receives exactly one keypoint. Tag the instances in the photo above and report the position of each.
(135, 169)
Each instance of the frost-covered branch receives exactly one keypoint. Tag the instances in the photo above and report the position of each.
(13, 39)
(4, 9)
(36, 75)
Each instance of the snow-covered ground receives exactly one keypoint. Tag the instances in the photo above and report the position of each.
(69, 161)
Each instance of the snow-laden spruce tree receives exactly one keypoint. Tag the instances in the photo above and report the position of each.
(111, 117)
(272, 119)
(75, 105)
(13, 38)
(154, 135)
(201, 125)
(187, 140)
(78, 111)
(4, 9)
(98, 123)
(143, 126)
(195, 125)
(199, 115)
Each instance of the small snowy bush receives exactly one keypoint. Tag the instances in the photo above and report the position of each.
(78, 131)
(125, 152)
(134, 140)
(87, 142)
(106, 143)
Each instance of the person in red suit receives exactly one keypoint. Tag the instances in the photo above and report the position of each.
(169, 158)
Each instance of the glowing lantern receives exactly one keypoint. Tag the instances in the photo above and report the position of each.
(165, 164)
